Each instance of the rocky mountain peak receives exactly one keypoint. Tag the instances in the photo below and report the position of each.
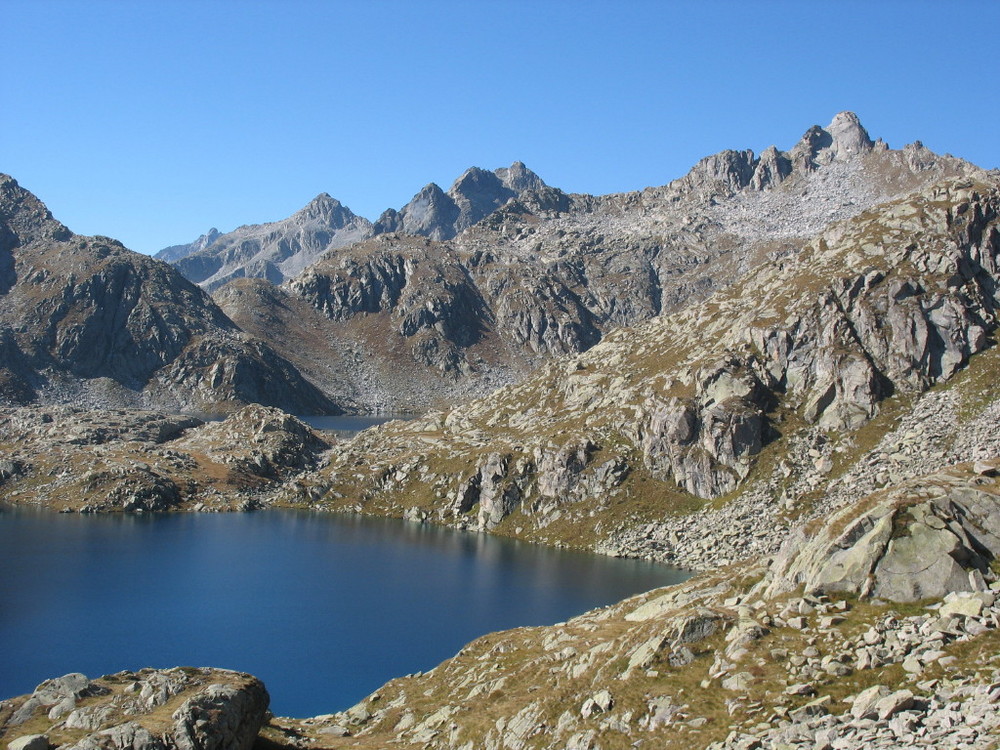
(849, 136)
(326, 209)
(843, 139)
(519, 178)
(476, 194)
(431, 213)
(176, 252)
(24, 218)
(273, 251)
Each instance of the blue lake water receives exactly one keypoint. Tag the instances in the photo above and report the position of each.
(323, 608)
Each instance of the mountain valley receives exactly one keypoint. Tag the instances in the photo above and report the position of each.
(778, 371)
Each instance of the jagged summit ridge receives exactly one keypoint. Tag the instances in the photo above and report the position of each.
(281, 250)
(843, 140)
(475, 195)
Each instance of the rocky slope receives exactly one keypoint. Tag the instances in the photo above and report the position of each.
(169, 709)
(691, 437)
(548, 274)
(85, 319)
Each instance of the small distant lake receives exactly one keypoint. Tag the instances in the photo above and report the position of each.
(323, 608)
(344, 425)
(348, 424)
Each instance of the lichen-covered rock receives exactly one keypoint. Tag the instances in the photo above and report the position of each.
(925, 539)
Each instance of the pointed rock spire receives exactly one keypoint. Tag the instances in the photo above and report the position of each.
(843, 139)
(849, 136)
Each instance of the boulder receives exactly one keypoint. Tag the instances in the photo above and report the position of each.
(29, 742)
(917, 541)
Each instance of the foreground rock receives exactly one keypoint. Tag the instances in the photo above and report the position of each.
(70, 459)
(171, 709)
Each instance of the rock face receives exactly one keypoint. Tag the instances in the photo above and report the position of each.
(274, 251)
(476, 287)
(87, 319)
(927, 538)
(173, 709)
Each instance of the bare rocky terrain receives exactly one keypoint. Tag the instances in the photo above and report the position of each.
(169, 709)
(74, 460)
(697, 438)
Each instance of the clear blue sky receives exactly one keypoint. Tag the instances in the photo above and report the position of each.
(154, 121)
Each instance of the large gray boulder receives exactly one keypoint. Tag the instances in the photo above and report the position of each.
(927, 538)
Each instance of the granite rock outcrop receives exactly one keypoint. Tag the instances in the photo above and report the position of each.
(70, 459)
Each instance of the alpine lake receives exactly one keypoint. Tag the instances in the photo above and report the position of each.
(324, 608)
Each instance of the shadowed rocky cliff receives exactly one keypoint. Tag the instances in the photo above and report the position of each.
(85, 319)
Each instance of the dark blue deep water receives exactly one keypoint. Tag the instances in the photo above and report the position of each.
(323, 608)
